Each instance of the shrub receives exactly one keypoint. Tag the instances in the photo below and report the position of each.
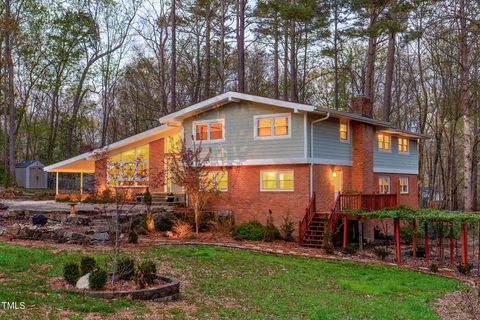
(71, 272)
(381, 252)
(252, 230)
(125, 268)
(164, 222)
(287, 227)
(271, 232)
(87, 264)
(328, 248)
(97, 279)
(350, 249)
(181, 229)
(146, 274)
(433, 267)
(465, 268)
(132, 237)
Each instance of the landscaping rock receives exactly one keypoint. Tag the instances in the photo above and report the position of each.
(2, 230)
(100, 237)
(30, 233)
(3, 206)
(83, 283)
(39, 220)
(77, 238)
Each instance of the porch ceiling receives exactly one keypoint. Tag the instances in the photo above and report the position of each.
(78, 166)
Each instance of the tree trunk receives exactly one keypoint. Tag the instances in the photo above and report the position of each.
(173, 72)
(11, 93)
(222, 47)
(206, 93)
(293, 62)
(241, 45)
(335, 54)
(387, 98)
(285, 65)
(276, 36)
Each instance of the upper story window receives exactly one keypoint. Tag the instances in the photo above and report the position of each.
(280, 180)
(129, 168)
(272, 126)
(403, 184)
(403, 145)
(384, 142)
(384, 184)
(344, 131)
(209, 130)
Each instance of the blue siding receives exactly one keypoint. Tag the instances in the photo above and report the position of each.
(327, 147)
(394, 161)
(240, 145)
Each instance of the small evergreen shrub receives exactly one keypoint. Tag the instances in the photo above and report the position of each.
(433, 267)
(97, 279)
(71, 272)
(465, 268)
(132, 237)
(125, 268)
(350, 249)
(287, 227)
(164, 222)
(145, 274)
(87, 264)
(381, 252)
(271, 232)
(252, 230)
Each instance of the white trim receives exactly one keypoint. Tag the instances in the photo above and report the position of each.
(331, 161)
(305, 135)
(273, 161)
(408, 146)
(277, 180)
(208, 122)
(349, 131)
(400, 184)
(392, 170)
(272, 126)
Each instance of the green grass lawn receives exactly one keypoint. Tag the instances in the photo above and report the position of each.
(227, 284)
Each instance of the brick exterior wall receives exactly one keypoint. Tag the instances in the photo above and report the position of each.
(157, 167)
(410, 199)
(100, 176)
(324, 185)
(362, 157)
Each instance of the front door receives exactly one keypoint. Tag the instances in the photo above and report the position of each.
(338, 182)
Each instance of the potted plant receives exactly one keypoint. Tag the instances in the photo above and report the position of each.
(170, 197)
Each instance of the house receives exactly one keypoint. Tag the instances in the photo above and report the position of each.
(30, 174)
(272, 154)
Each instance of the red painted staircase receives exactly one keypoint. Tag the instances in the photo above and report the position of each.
(315, 231)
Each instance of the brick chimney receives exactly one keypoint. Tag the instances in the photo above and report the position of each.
(362, 106)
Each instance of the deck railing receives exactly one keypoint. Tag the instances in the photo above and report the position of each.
(307, 219)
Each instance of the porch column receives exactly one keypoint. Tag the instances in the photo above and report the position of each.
(345, 231)
(452, 245)
(56, 183)
(464, 237)
(396, 222)
(427, 249)
(81, 182)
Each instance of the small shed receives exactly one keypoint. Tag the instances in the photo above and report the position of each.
(30, 174)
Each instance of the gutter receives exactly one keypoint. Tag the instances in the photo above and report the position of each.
(311, 149)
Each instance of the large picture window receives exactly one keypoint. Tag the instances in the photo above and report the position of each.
(281, 180)
(272, 126)
(129, 168)
(218, 179)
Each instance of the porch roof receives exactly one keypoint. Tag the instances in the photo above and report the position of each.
(85, 162)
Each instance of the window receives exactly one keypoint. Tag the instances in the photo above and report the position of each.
(384, 184)
(272, 126)
(276, 180)
(173, 143)
(344, 133)
(209, 131)
(129, 168)
(403, 185)
(402, 145)
(219, 179)
(383, 142)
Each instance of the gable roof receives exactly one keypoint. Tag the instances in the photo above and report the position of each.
(177, 117)
(27, 163)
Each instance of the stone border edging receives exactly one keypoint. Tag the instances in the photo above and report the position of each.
(165, 292)
(309, 255)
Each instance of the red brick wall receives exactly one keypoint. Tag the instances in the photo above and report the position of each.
(100, 176)
(324, 184)
(362, 157)
(410, 199)
(157, 158)
(247, 202)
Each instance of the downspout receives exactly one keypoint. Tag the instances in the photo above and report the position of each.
(311, 149)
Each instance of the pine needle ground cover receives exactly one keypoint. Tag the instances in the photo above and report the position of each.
(222, 283)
